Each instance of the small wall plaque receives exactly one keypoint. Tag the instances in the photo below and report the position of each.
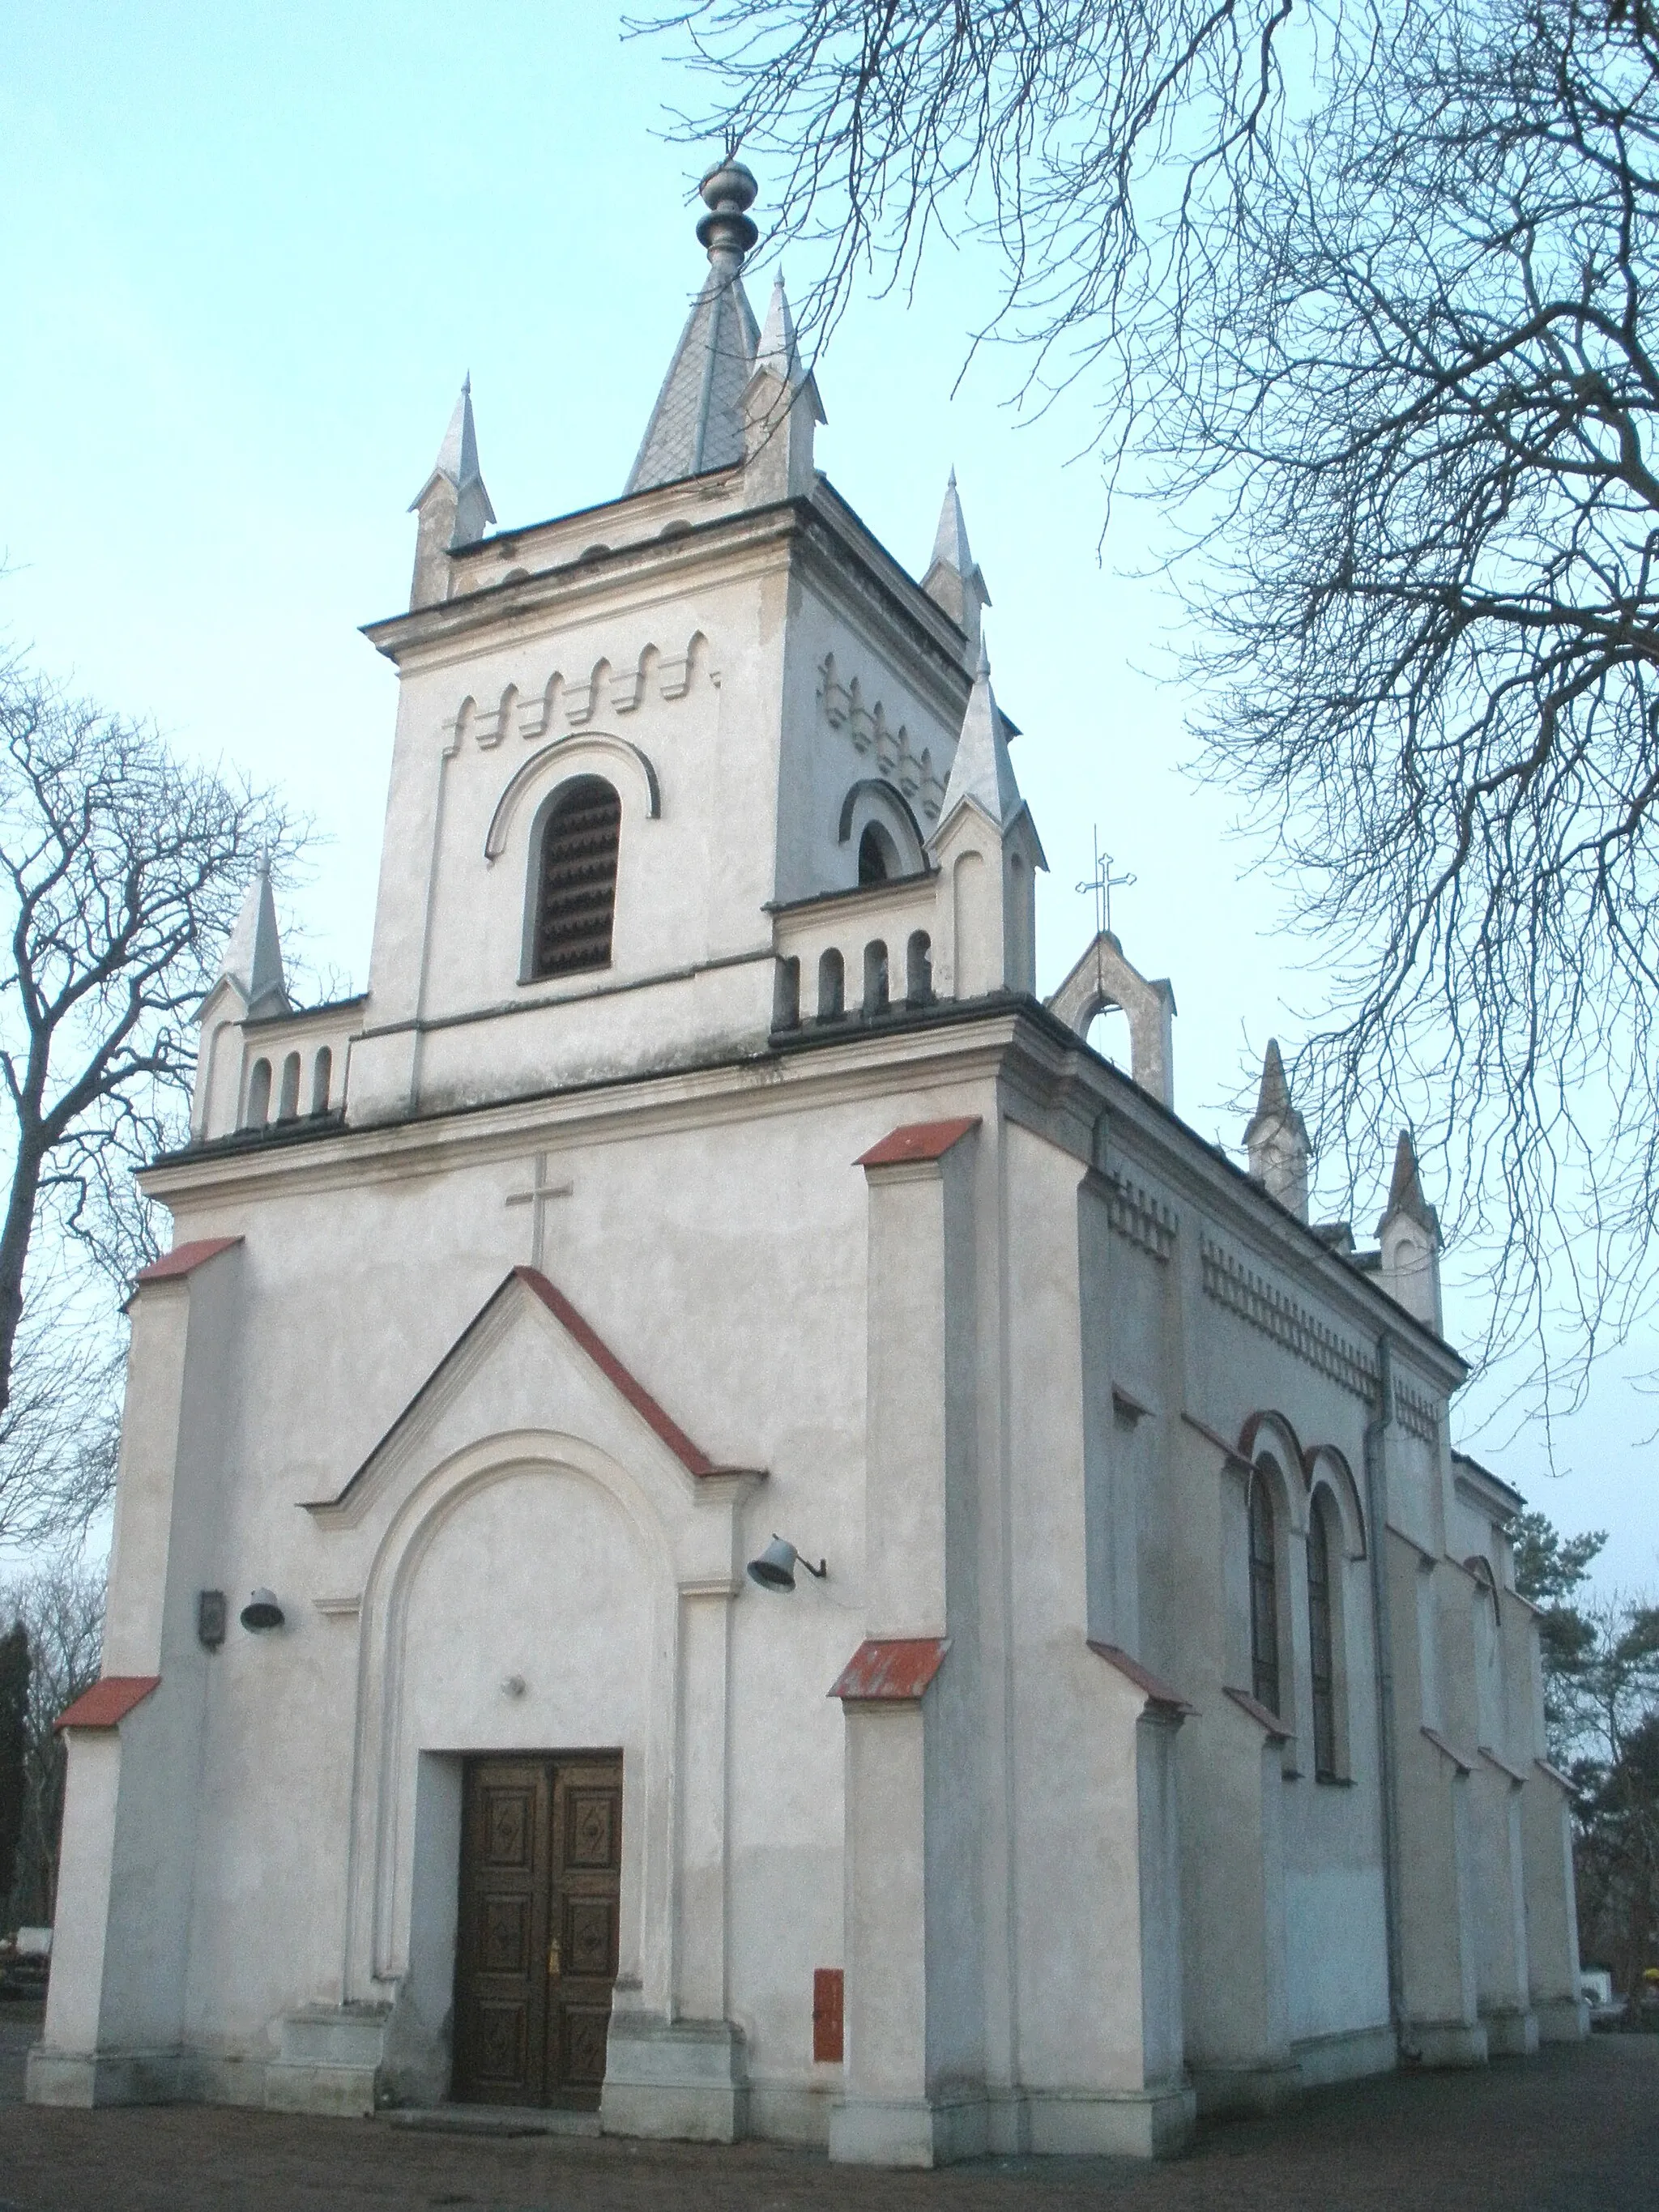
(211, 1615)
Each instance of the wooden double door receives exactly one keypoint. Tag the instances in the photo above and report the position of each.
(536, 1948)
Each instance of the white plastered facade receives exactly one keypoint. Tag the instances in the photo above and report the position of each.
(919, 1282)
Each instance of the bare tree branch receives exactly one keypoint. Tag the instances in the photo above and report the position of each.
(121, 871)
(1364, 295)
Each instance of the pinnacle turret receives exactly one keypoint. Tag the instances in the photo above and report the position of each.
(253, 957)
(1409, 1234)
(1406, 1191)
(1277, 1138)
(781, 405)
(954, 579)
(981, 772)
(453, 504)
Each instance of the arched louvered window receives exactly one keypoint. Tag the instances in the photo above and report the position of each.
(259, 1096)
(576, 881)
(1264, 1596)
(1321, 1641)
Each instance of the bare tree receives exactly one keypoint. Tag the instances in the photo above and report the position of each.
(59, 1605)
(121, 871)
(60, 1427)
(1366, 296)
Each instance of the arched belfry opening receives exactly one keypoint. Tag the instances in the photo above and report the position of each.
(574, 857)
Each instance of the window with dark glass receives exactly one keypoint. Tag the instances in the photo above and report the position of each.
(576, 890)
(878, 860)
(1264, 1597)
(1320, 1644)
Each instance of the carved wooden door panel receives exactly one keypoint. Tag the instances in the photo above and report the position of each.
(536, 1943)
(500, 1961)
(586, 1881)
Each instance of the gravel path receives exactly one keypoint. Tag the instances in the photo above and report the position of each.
(1575, 2130)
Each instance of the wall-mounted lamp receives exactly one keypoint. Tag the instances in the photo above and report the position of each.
(261, 1611)
(775, 1567)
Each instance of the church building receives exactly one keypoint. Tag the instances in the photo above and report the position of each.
(724, 1528)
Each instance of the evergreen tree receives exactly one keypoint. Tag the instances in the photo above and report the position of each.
(15, 1664)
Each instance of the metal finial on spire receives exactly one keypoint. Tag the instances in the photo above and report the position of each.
(727, 232)
(696, 425)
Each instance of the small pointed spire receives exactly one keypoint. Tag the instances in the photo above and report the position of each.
(778, 354)
(1406, 1191)
(950, 539)
(1277, 1138)
(457, 466)
(981, 770)
(954, 579)
(452, 505)
(253, 953)
(1408, 1264)
(1274, 1095)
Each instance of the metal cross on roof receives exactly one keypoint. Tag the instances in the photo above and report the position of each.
(1102, 884)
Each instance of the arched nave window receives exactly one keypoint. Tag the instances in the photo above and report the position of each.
(1321, 1639)
(576, 878)
(1264, 1596)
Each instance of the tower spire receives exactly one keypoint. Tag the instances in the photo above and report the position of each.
(697, 423)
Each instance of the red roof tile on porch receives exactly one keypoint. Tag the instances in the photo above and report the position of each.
(185, 1258)
(917, 1140)
(897, 1668)
(107, 1701)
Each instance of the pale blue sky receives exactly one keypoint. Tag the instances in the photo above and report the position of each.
(247, 254)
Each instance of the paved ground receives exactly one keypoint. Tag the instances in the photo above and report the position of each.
(1575, 2131)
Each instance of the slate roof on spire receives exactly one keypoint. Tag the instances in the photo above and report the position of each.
(458, 462)
(696, 425)
(1405, 1190)
(253, 954)
(981, 770)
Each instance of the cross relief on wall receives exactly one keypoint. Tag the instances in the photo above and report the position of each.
(539, 1196)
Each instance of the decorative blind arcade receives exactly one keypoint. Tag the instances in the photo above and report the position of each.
(576, 897)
